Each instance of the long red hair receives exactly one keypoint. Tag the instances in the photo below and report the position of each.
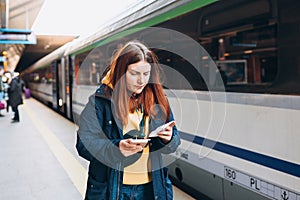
(152, 98)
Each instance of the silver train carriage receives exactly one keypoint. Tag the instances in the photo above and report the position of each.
(232, 76)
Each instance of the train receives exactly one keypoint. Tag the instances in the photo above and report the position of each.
(231, 72)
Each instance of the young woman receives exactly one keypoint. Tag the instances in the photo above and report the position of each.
(115, 125)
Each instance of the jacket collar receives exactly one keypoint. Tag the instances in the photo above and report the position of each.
(104, 91)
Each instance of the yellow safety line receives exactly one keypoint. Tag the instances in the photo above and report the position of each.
(76, 172)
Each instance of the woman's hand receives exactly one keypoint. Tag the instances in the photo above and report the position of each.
(166, 134)
(128, 148)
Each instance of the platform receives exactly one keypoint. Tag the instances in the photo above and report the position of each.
(38, 159)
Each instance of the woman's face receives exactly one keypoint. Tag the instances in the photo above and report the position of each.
(137, 76)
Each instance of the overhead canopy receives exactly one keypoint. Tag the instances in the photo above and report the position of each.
(16, 20)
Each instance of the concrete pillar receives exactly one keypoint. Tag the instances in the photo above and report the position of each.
(4, 10)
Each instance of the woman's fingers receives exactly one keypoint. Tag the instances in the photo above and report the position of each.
(127, 148)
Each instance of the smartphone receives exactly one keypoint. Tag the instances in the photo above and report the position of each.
(161, 128)
(139, 141)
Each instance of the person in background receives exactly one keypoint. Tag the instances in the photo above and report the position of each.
(2, 88)
(129, 104)
(15, 96)
(93, 74)
(7, 77)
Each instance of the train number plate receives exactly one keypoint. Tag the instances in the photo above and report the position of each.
(258, 185)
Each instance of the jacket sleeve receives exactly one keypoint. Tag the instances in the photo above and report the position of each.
(170, 147)
(92, 142)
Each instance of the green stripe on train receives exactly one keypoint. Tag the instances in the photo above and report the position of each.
(151, 22)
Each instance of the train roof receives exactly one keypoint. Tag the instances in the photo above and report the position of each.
(47, 60)
(144, 14)
(141, 13)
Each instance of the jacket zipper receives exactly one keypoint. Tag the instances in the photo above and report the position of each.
(119, 175)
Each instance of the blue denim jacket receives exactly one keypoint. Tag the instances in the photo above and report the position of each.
(98, 138)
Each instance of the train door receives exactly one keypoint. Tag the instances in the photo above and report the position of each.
(68, 88)
(54, 84)
(61, 85)
(71, 75)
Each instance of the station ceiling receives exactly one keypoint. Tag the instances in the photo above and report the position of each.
(21, 14)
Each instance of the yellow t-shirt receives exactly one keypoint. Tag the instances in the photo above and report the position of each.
(139, 172)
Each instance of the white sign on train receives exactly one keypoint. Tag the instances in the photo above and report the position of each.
(259, 186)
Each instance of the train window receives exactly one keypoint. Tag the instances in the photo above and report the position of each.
(232, 15)
(86, 71)
(81, 74)
(178, 73)
(240, 37)
(43, 75)
(247, 56)
(89, 67)
(244, 46)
